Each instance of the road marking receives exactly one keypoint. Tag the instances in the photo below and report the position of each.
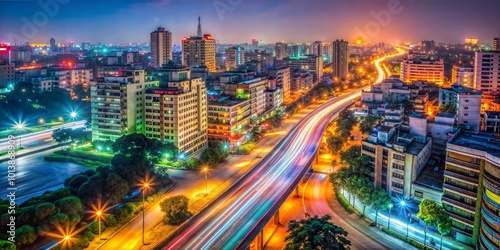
(304, 193)
(138, 232)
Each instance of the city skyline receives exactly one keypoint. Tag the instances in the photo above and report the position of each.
(292, 21)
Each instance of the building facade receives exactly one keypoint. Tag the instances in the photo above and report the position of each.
(463, 76)
(281, 51)
(340, 57)
(161, 47)
(309, 63)
(229, 120)
(487, 72)
(117, 105)
(282, 77)
(467, 102)
(422, 70)
(235, 56)
(253, 90)
(7, 75)
(471, 194)
(199, 51)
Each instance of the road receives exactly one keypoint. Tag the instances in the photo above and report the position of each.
(228, 220)
(191, 183)
(318, 199)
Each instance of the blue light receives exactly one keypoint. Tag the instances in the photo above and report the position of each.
(181, 156)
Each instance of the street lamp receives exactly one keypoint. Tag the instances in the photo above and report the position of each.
(73, 114)
(144, 187)
(205, 170)
(20, 126)
(403, 204)
(98, 215)
(389, 221)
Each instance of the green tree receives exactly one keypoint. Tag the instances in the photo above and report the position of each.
(70, 205)
(316, 233)
(7, 245)
(444, 226)
(175, 209)
(367, 124)
(335, 143)
(364, 194)
(25, 236)
(62, 135)
(380, 201)
(448, 108)
(350, 154)
(429, 213)
(45, 210)
(59, 220)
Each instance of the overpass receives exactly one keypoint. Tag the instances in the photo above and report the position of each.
(238, 216)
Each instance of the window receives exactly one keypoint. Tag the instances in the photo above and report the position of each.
(419, 194)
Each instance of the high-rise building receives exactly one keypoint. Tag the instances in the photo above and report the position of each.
(310, 63)
(317, 48)
(176, 112)
(161, 47)
(428, 46)
(4, 54)
(117, 104)
(253, 90)
(7, 75)
(235, 56)
(53, 46)
(199, 50)
(229, 120)
(471, 195)
(281, 50)
(487, 72)
(467, 102)
(496, 44)
(339, 63)
(282, 76)
(464, 76)
(255, 43)
(418, 69)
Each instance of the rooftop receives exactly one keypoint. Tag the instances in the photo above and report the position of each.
(463, 90)
(487, 142)
(432, 174)
(226, 102)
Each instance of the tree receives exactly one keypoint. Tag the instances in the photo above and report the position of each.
(316, 233)
(335, 143)
(367, 124)
(25, 236)
(429, 213)
(448, 108)
(70, 205)
(62, 135)
(350, 154)
(444, 226)
(7, 245)
(380, 200)
(175, 209)
(45, 210)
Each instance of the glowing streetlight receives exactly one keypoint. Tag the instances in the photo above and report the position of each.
(144, 187)
(20, 127)
(403, 204)
(67, 237)
(389, 221)
(98, 214)
(73, 114)
(205, 170)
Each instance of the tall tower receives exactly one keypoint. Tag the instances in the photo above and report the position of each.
(53, 46)
(340, 58)
(199, 33)
(496, 44)
(161, 47)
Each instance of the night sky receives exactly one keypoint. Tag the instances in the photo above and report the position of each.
(125, 21)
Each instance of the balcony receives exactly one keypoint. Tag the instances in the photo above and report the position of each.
(462, 163)
(459, 204)
(460, 176)
(461, 190)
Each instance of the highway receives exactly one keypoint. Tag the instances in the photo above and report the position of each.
(226, 223)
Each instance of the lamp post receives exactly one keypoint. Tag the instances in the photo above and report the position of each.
(389, 221)
(403, 204)
(99, 214)
(205, 170)
(20, 126)
(145, 186)
(73, 114)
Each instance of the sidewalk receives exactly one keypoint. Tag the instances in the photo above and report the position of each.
(399, 223)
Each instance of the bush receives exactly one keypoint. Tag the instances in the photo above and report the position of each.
(110, 220)
(247, 148)
(87, 234)
(25, 235)
(343, 201)
(94, 228)
(175, 209)
(406, 239)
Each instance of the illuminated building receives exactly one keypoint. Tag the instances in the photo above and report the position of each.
(282, 77)
(53, 46)
(67, 78)
(467, 102)
(317, 48)
(229, 120)
(176, 112)
(310, 63)
(255, 43)
(471, 195)
(21, 54)
(281, 50)
(428, 46)
(4, 54)
(253, 90)
(161, 47)
(462, 75)
(300, 81)
(418, 69)
(471, 41)
(235, 56)
(199, 51)
(117, 104)
(487, 72)
(7, 75)
(339, 63)
(496, 44)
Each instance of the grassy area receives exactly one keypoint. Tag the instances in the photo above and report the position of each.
(343, 201)
(84, 158)
(6, 152)
(407, 240)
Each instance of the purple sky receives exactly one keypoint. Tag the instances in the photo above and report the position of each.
(124, 21)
